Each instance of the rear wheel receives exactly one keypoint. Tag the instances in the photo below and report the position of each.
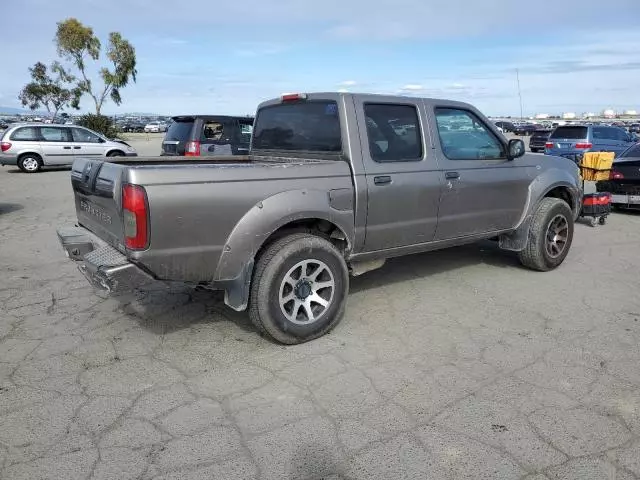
(30, 163)
(550, 236)
(299, 288)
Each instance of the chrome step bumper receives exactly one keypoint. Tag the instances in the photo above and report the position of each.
(104, 267)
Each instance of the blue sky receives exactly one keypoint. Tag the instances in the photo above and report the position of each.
(225, 57)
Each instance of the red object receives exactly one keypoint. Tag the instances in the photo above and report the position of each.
(4, 146)
(292, 97)
(615, 175)
(596, 199)
(548, 145)
(134, 205)
(583, 145)
(192, 149)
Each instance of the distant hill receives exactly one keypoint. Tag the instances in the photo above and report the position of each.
(18, 111)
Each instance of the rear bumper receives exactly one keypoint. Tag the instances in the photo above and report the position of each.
(8, 159)
(104, 267)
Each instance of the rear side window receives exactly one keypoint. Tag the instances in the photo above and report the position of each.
(246, 129)
(179, 130)
(570, 133)
(631, 152)
(212, 130)
(54, 134)
(393, 132)
(301, 126)
(26, 134)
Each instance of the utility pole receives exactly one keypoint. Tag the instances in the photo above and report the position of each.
(519, 92)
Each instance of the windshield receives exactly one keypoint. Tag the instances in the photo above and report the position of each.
(571, 133)
(302, 126)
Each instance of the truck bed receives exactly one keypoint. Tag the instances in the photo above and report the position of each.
(195, 204)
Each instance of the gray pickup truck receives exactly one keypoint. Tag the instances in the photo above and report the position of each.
(334, 184)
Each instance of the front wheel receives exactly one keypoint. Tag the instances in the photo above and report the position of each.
(550, 236)
(299, 289)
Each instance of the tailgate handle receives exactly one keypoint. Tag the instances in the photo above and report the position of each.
(451, 175)
(382, 180)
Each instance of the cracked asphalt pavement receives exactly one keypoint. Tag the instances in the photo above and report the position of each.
(449, 365)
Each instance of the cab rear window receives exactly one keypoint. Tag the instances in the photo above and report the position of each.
(312, 126)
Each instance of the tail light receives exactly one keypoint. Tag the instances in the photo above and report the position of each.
(134, 206)
(4, 146)
(192, 149)
(548, 145)
(293, 97)
(583, 146)
(615, 175)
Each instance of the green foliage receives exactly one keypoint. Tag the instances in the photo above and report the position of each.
(49, 91)
(99, 123)
(77, 43)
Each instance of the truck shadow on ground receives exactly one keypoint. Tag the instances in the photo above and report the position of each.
(9, 207)
(164, 309)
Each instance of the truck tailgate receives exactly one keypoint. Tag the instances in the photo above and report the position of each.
(97, 191)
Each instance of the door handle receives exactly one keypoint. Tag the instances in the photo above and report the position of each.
(77, 148)
(383, 180)
(451, 175)
(67, 148)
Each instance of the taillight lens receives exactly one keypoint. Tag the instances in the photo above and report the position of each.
(583, 146)
(4, 146)
(134, 207)
(615, 175)
(548, 145)
(192, 149)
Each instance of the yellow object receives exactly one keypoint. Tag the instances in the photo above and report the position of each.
(596, 165)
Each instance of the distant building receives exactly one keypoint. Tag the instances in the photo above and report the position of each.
(542, 116)
(630, 113)
(589, 115)
(568, 116)
(609, 113)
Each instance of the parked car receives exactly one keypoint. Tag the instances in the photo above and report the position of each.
(329, 188)
(524, 129)
(538, 140)
(155, 127)
(572, 141)
(634, 128)
(33, 146)
(206, 135)
(624, 180)
(132, 127)
(505, 126)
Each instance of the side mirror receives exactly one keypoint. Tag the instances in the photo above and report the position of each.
(515, 149)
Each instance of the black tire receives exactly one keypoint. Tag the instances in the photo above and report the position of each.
(277, 260)
(115, 153)
(602, 220)
(536, 255)
(27, 165)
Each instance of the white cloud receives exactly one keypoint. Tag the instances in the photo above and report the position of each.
(343, 90)
(348, 83)
(413, 87)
